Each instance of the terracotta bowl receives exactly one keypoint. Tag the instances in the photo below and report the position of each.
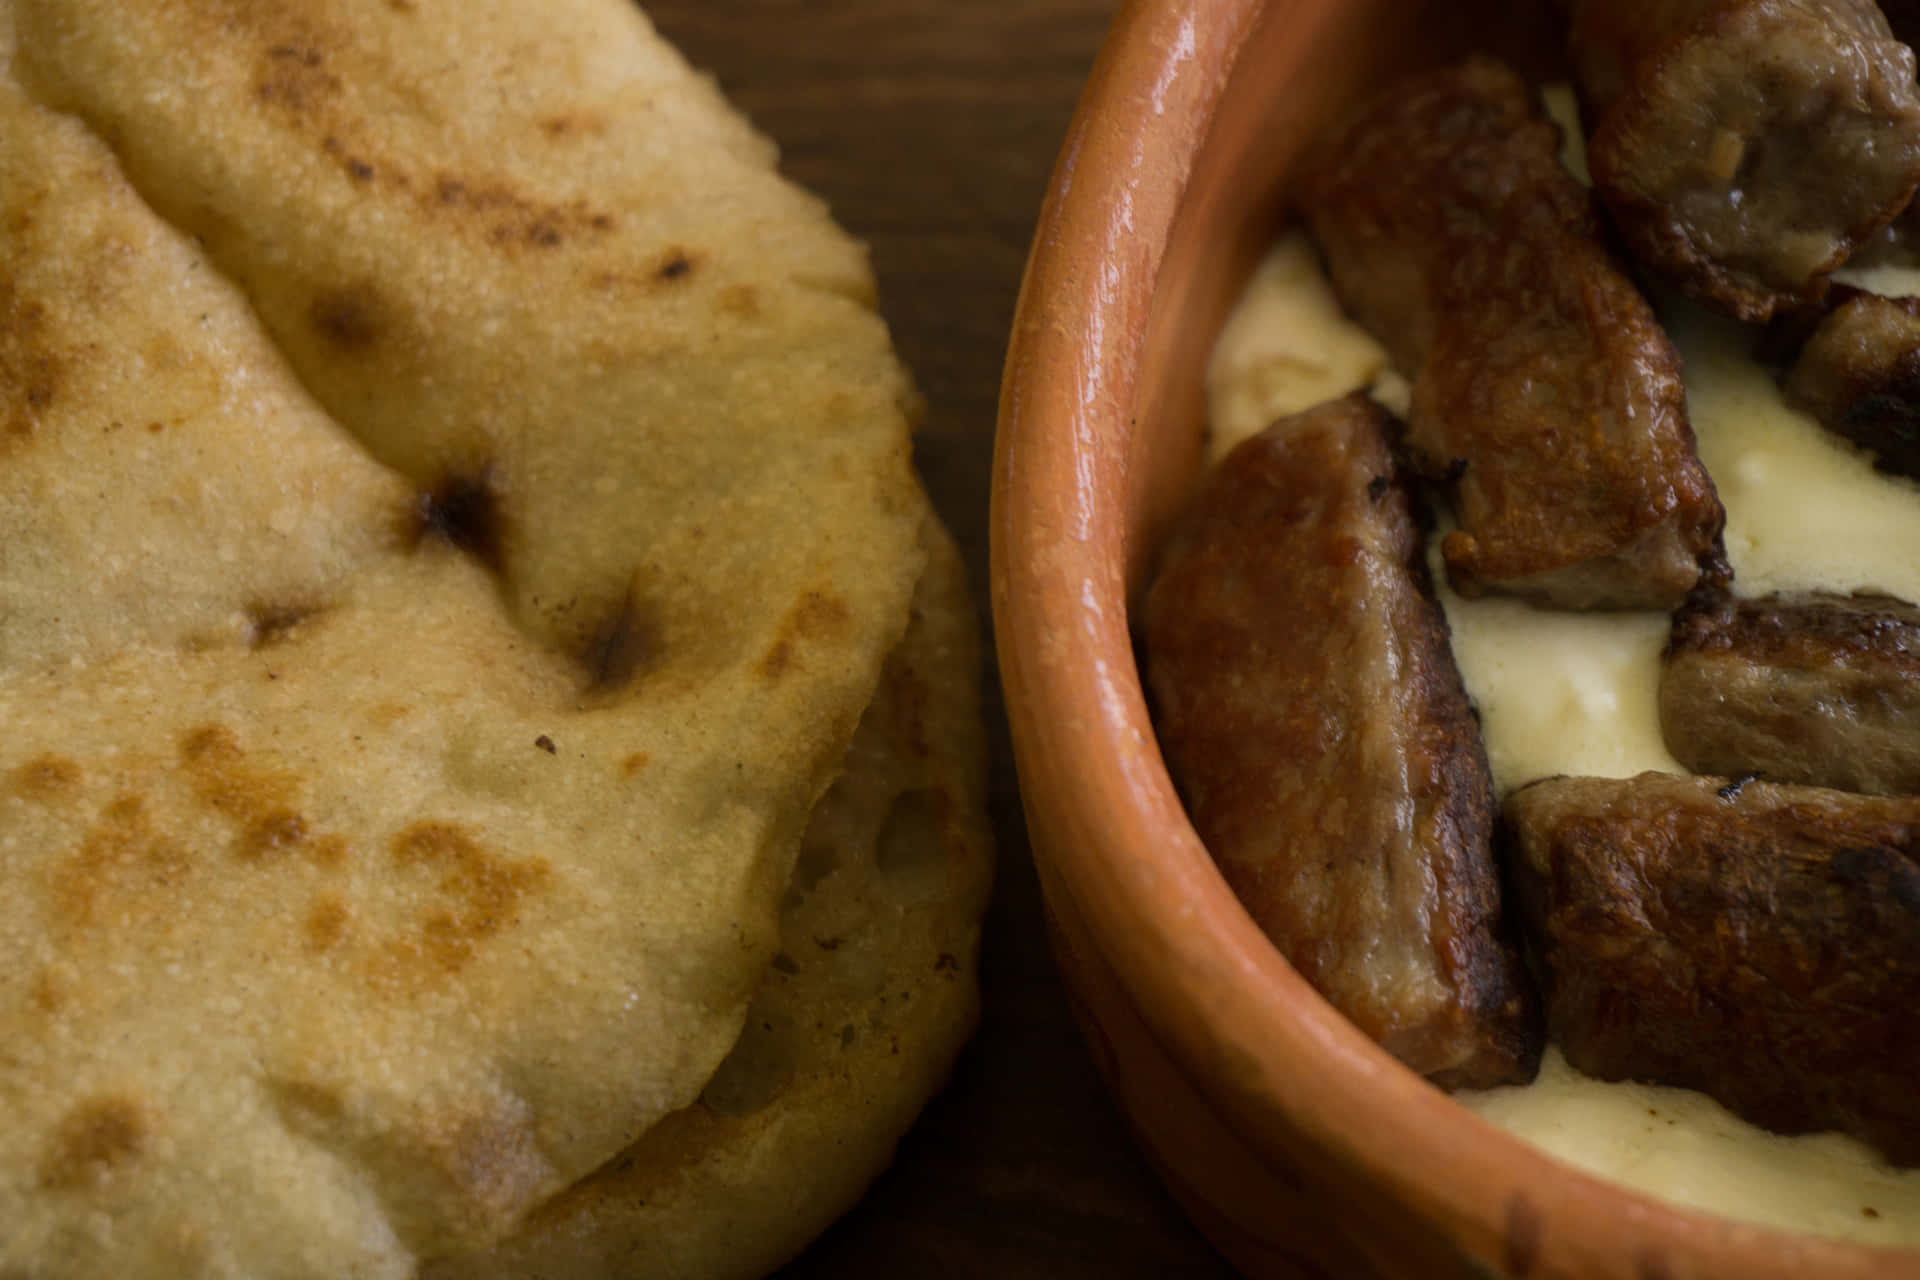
(1293, 1141)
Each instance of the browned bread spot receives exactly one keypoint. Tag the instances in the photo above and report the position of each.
(349, 318)
(94, 1140)
(622, 648)
(122, 860)
(484, 891)
(326, 923)
(30, 372)
(45, 776)
(269, 624)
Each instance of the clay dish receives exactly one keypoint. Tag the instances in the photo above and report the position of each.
(1294, 1142)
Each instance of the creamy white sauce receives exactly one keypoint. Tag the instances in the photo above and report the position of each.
(1576, 693)
(1286, 347)
(1804, 507)
(1572, 693)
(1686, 1148)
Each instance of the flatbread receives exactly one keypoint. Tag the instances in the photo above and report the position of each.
(455, 501)
(858, 1019)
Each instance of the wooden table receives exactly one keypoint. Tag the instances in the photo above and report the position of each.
(931, 127)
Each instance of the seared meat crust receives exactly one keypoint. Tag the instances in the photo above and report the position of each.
(1759, 943)
(1544, 390)
(1859, 376)
(1310, 711)
(1746, 147)
(1817, 689)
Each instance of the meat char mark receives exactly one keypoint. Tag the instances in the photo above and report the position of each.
(1545, 394)
(1758, 943)
(1745, 148)
(1859, 376)
(1310, 712)
(1817, 689)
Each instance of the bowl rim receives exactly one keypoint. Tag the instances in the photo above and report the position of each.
(1105, 818)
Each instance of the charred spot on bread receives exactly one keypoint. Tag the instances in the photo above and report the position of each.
(464, 509)
(622, 647)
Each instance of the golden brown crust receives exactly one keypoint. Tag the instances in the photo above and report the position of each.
(1544, 391)
(1759, 943)
(1312, 716)
(1745, 148)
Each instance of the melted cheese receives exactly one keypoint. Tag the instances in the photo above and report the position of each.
(1569, 693)
(1804, 507)
(1576, 693)
(1286, 347)
(1687, 1148)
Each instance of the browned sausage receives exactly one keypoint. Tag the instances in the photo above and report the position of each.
(1543, 387)
(1310, 712)
(1758, 943)
(1859, 376)
(1746, 147)
(1817, 689)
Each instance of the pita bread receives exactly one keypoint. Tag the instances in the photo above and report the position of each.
(455, 501)
(856, 1022)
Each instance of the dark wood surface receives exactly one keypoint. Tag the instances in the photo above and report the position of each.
(931, 127)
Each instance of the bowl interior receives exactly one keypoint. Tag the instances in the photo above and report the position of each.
(1170, 184)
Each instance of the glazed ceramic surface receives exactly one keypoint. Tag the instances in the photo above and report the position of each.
(1299, 1146)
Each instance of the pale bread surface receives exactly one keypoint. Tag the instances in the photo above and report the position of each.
(866, 1003)
(431, 603)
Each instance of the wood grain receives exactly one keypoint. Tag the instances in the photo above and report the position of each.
(931, 127)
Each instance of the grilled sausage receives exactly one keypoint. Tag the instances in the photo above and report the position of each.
(1859, 376)
(1758, 943)
(1311, 714)
(1746, 147)
(1817, 689)
(1544, 390)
